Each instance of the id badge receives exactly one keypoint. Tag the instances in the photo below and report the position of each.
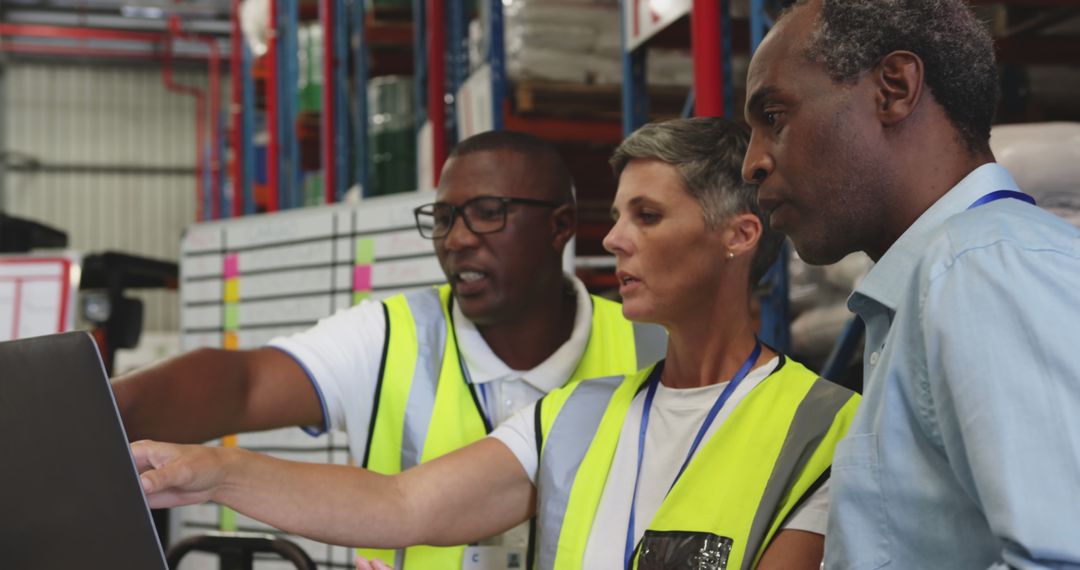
(493, 558)
(684, 550)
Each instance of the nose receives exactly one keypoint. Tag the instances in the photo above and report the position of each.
(758, 163)
(616, 242)
(460, 236)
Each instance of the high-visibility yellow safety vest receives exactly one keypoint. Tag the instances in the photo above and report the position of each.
(424, 407)
(770, 454)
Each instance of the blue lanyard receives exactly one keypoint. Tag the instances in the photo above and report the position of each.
(1001, 195)
(653, 381)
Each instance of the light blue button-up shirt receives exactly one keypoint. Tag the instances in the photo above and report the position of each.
(965, 453)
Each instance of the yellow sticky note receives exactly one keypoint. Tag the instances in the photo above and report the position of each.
(232, 290)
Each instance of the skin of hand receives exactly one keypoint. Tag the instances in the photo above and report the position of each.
(166, 468)
(365, 564)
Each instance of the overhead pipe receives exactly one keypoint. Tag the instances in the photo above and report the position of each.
(27, 48)
(155, 39)
(73, 33)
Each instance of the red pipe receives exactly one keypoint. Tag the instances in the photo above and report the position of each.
(329, 62)
(78, 33)
(273, 169)
(436, 52)
(214, 63)
(200, 126)
(706, 44)
(236, 54)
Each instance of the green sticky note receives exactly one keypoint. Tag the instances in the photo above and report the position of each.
(227, 518)
(232, 317)
(365, 251)
(360, 296)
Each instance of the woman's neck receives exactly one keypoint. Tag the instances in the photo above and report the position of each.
(707, 352)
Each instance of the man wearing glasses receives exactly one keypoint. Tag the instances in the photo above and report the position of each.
(422, 374)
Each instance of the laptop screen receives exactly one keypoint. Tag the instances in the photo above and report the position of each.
(69, 493)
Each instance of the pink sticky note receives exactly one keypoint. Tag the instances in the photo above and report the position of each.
(361, 278)
(232, 265)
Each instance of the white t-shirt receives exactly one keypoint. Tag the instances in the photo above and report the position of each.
(675, 418)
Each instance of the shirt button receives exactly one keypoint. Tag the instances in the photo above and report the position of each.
(874, 358)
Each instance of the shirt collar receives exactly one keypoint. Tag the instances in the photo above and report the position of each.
(484, 366)
(888, 279)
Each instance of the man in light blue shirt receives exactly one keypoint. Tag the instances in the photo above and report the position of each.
(871, 126)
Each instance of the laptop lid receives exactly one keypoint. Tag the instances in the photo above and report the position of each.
(69, 493)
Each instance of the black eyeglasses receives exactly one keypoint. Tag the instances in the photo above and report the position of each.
(482, 215)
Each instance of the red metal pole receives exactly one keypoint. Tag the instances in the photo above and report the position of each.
(329, 160)
(273, 169)
(236, 55)
(436, 59)
(706, 41)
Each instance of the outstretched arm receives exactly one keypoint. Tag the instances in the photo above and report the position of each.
(209, 393)
(470, 494)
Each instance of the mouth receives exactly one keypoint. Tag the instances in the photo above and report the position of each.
(469, 281)
(627, 281)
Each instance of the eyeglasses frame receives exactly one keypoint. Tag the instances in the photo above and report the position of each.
(456, 211)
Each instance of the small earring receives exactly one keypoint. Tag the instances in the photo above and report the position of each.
(731, 255)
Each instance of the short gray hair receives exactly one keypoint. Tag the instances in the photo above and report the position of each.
(852, 36)
(707, 153)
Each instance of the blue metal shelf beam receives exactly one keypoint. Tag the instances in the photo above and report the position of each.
(362, 166)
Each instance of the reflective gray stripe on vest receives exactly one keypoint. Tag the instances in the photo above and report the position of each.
(565, 447)
(430, 323)
(650, 344)
(813, 419)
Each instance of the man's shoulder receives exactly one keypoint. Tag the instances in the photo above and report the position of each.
(983, 234)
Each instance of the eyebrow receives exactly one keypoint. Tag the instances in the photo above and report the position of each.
(633, 202)
(757, 100)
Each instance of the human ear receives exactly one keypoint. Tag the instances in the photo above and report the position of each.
(563, 226)
(898, 79)
(741, 233)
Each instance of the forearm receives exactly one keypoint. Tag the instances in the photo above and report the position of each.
(473, 493)
(328, 503)
(191, 398)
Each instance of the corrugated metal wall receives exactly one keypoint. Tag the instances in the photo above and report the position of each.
(138, 140)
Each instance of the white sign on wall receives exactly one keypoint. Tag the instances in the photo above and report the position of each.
(643, 19)
(37, 295)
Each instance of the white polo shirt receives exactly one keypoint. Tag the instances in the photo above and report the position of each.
(343, 352)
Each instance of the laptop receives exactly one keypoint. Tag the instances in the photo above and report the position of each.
(69, 492)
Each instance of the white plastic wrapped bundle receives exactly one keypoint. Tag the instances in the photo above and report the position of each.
(576, 41)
